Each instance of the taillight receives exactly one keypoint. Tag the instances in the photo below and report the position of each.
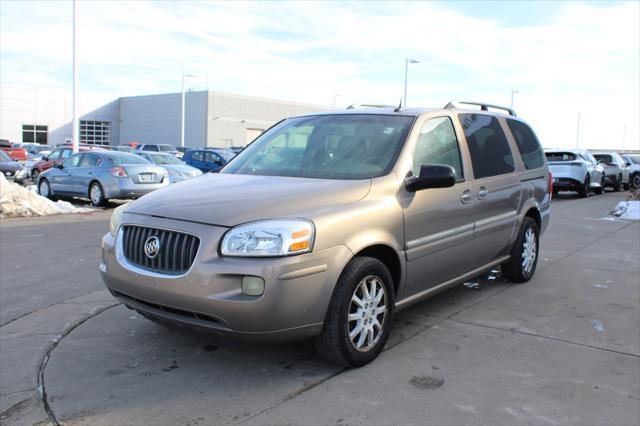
(550, 184)
(119, 172)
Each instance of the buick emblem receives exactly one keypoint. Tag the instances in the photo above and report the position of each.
(152, 247)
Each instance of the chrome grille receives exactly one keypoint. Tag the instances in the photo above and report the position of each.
(175, 256)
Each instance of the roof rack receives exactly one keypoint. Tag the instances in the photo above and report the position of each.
(356, 106)
(483, 106)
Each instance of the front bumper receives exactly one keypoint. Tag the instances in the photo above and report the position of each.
(208, 297)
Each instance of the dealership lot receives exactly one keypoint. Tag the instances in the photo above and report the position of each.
(561, 349)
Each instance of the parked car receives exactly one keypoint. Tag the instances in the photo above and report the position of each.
(56, 156)
(616, 172)
(236, 149)
(124, 148)
(35, 150)
(156, 148)
(181, 150)
(575, 170)
(178, 171)
(328, 224)
(632, 161)
(102, 175)
(207, 160)
(15, 153)
(9, 167)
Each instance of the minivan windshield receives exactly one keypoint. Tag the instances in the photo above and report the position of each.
(340, 146)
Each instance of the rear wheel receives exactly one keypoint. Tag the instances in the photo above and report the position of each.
(585, 191)
(96, 194)
(601, 189)
(359, 317)
(618, 186)
(524, 254)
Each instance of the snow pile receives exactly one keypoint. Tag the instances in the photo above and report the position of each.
(17, 201)
(629, 210)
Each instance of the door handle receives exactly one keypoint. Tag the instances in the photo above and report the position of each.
(482, 193)
(466, 196)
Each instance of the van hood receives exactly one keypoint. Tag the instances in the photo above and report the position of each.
(230, 200)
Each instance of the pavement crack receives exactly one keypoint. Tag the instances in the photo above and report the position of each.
(54, 343)
(524, 333)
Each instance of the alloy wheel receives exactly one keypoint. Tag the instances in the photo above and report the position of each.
(367, 313)
(529, 251)
(44, 189)
(96, 194)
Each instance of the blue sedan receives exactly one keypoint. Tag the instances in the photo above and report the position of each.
(101, 175)
(207, 160)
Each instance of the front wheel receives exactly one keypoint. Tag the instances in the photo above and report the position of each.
(34, 174)
(359, 317)
(618, 186)
(44, 188)
(524, 254)
(585, 191)
(634, 180)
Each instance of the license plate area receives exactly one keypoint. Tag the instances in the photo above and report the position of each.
(146, 177)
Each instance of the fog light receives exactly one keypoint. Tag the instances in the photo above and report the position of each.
(252, 286)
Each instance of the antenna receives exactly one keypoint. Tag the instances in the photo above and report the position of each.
(399, 106)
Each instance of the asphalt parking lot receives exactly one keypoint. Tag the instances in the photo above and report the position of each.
(561, 349)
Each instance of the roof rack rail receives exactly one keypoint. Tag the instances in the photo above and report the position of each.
(483, 106)
(356, 106)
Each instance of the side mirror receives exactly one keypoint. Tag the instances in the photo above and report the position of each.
(627, 163)
(59, 166)
(432, 176)
(45, 158)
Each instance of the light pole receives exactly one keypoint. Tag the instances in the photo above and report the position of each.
(624, 137)
(182, 111)
(578, 131)
(334, 101)
(75, 131)
(407, 61)
(513, 92)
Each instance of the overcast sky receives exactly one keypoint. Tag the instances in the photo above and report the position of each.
(562, 57)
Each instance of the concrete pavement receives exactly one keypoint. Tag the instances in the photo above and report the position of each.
(561, 349)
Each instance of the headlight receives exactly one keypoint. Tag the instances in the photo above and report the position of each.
(278, 237)
(116, 219)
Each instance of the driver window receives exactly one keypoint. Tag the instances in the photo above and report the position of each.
(55, 155)
(72, 161)
(437, 144)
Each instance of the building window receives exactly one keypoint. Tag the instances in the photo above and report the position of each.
(34, 133)
(95, 132)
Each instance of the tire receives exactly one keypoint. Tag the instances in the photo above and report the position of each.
(34, 174)
(44, 188)
(600, 190)
(334, 343)
(617, 187)
(585, 191)
(524, 253)
(634, 180)
(625, 186)
(96, 194)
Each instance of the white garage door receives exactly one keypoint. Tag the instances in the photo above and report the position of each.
(252, 134)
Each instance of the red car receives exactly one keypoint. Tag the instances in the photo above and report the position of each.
(55, 157)
(18, 154)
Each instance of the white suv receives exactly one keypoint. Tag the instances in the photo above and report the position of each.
(616, 172)
(575, 170)
(632, 162)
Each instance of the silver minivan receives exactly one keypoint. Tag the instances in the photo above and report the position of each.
(328, 224)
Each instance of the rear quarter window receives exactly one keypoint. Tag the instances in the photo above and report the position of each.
(488, 145)
(528, 144)
(560, 156)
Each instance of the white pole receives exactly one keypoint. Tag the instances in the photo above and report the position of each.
(513, 92)
(334, 101)
(75, 107)
(406, 74)
(182, 115)
(578, 131)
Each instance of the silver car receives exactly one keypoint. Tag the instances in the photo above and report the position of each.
(178, 171)
(102, 175)
(616, 172)
(575, 170)
(328, 224)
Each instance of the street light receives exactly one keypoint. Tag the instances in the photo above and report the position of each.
(75, 123)
(334, 101)
(182, 111)
(407, 61)
(513, 92)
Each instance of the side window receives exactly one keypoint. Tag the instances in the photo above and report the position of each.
(66, 153)
(211, 157)
(90, 160)
(72, 161)
(437, 144)
(197, 155)
(528, 145)
(490, 152)
(55, 154)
